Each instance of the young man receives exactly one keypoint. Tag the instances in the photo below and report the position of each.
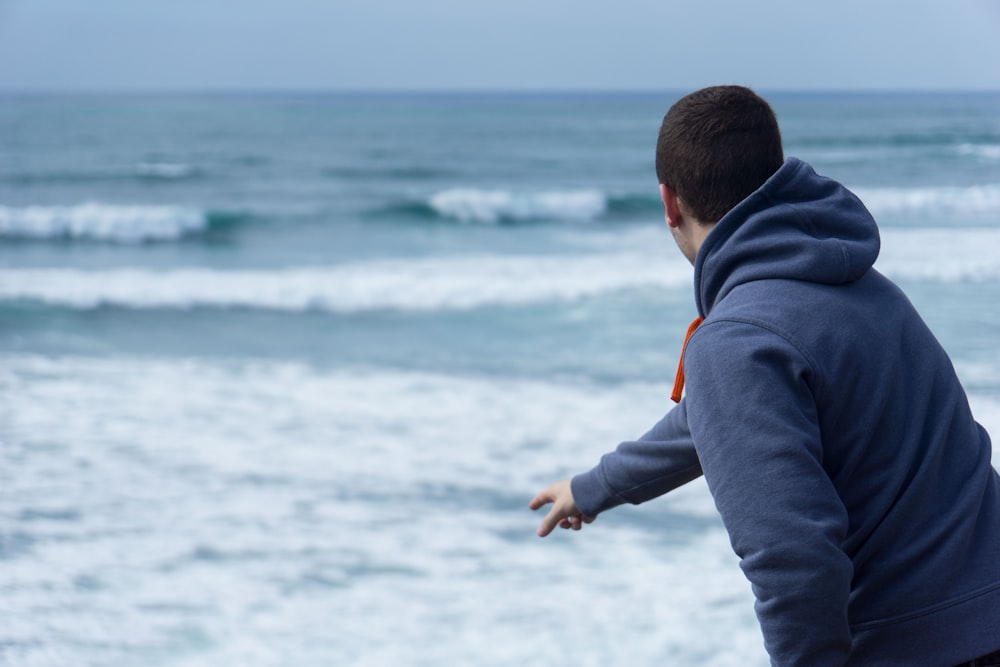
(831, 428)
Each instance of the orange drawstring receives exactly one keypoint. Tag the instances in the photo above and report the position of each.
(675, 395)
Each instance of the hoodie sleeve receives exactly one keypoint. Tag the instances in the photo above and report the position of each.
(639, 470)
(752, 413)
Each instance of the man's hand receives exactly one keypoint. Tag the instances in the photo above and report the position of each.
(563, 513)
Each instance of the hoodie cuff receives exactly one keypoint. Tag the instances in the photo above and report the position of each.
(591, 494)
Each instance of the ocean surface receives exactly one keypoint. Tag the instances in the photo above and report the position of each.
(280, 373)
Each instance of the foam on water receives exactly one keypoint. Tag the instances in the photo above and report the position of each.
(941, 254)
(421, 284)
(272, 512)
(985, 152)
(456, 283)
(101, 222)
(192, 513)
(932, 200)
(491, 206)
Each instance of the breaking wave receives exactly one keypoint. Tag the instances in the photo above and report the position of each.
(113, 223)
(491, 206)
(973, 199)
(459, 283)
(483, 206)
(408, 285)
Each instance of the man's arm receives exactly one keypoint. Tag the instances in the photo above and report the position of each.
(637, 471)
(752, 410)
(643, 469)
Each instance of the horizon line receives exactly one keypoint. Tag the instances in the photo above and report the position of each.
(248, 91)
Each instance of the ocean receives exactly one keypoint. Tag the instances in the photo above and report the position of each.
(279, 374)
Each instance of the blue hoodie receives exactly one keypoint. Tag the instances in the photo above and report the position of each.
(835, 438)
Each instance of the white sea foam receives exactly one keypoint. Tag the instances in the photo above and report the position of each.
(425, 284)
(458, 283)
(491, 206)
(931, 200)
(985, 152)
(941, 254)
(218, 513)
(101, 222)
(224, 513)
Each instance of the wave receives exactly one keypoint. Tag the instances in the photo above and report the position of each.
(972, 199)
(407, 285)
(943, 255)
(115, 223)
(474, 205)
(985, 152)
(639, 205)
(471, 205)
(461, 283)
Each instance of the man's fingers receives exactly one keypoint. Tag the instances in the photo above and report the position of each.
(573, 522)
(551, 520)
(542, 499)
(563, 512)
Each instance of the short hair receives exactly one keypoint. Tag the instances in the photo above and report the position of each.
(716, 146)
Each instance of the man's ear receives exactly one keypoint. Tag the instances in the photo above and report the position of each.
(671, 206)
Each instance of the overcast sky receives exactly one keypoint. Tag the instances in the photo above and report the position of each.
(502, 44)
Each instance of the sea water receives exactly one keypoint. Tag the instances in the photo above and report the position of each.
(280, 373)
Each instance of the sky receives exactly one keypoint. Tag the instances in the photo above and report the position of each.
(223, 45)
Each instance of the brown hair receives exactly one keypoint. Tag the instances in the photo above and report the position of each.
(716, 146)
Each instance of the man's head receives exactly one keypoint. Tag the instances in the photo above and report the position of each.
(716, 146)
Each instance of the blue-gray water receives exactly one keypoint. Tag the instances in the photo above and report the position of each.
(279, 374)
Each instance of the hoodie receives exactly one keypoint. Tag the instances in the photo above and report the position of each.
(835, 438)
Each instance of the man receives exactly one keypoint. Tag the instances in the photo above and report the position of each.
(835, 438)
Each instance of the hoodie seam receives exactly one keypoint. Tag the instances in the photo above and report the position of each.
(817, 386)
(902, 618)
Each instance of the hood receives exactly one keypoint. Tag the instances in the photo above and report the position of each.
(797, 226)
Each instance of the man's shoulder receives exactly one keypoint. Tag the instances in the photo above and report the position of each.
(770, 300)
(802, 317)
